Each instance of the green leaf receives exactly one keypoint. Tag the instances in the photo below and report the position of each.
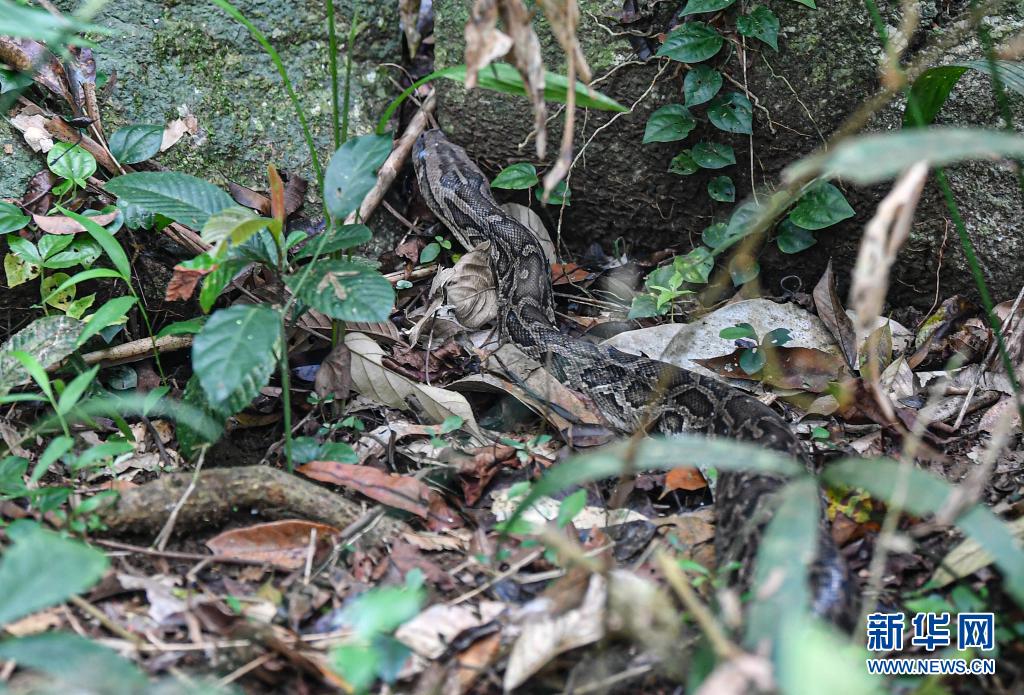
(13, 80)
(185, 199)
(107, 315)
(25, 249)
(83, 251)
(808, 3)
(49, 339)
(518, 176)
(691, 43)
(353, 172)
(92, 274)
(106, 241)
(73, 391)
(69, 161)
(927, 494)
(823, 205)
(136, 143)
(235, 354)
(561, 193)
(236, 225)
(777, 337)
(701, 84)
(740, 330)
(43, 569)
(696, 266)
(751, 361)
(722, 189)
(713, 155)
(743, 269)
(761, 24)
(17, 20)
(643, 306)
(784, 553)
(868, 159)
(699, 6)
(793, 239)
(19, 271)
(357, 664)
(669, 123)
(714, 234)
(78, 664)
(187, 327)
(813, 657)
(345, 290)
(383, 610)
(502, 77)
(11, 219)
(570, 507)
(929, 92)
(683, 164)
(430, 252)
(731, 113)
(57, 447)
(339, 238)
(50, 244)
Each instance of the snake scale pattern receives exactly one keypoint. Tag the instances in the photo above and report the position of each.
(631, 392)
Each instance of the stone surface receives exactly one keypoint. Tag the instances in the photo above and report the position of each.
(826, 65)
(172, 58)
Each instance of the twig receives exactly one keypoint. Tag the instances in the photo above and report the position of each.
(165, 533)
(176, 555)
(105, 621)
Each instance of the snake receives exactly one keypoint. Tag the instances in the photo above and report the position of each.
(632, 392)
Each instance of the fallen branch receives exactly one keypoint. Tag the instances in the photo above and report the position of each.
(221, 493)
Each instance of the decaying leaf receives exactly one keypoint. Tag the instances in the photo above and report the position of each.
(831, 312)
(33, 129)
(285, 544)
(251, 199)
(334, 378)
(789, 368)
(469, 287)
(485, 43)
(59, 224)
(183, 282)
(384, 386)
(431, 632)
(684, 478)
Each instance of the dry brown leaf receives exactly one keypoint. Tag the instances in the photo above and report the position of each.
(469, 288)
(59, 224)
(527, 57)
(831, 312)
(431, 633)
(883, 237)
(384, 386)
(249, 198)
(26, 55)
(968, 557)
(334, 378)
(173, 132)
(277, 206)
(474, 661)
(409, 14)
(485, 43)
(684, 478)
(788, 367)
(284, 544)
(183, 282)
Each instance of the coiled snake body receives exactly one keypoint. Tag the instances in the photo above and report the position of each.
(631, 392)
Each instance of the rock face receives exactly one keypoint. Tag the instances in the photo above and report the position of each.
(172, 58)
(826, 65)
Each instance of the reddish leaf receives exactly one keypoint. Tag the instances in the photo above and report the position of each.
(684, 479)
(406, 556)
(831, 312)
(183, 282)
(398, 491)
(277, 207)
(284, 544)
(564, 273)
(789, 368)
(59, 224)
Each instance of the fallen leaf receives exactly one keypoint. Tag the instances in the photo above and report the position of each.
(469, 287)
(431, 632)
(334, 378)
(787, 367)
(566, 273)
(684, 479)
(59, 224)
(246, 196)
(284, 544)
(183, 282)
(831, 312)
(968, 557)
(474, 661)
(33, 129)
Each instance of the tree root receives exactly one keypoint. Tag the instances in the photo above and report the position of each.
(221, 493)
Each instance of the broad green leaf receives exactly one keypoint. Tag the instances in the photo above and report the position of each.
(932, 87)
(50, 244)
(339, 238)
(107, 242)
(59, 299)
(669, 123)
(722, 189)
(502, 77)
(699, 6)
(561, 193)
(345, 290)
(70, 161)
(713, 155)
(570, 507)
(714, 234)
(761, 24)
(25, 249)
(731, 113)
(49, 339)
(383, 610)
(823, 205)
(19, 271)
(696, 266)
(793, 239)
(13, 81)
(108, 314)
(83, 251)
(518, 176)
(740, 330)
(751, 360)
(235, 354)
(236, 225)
(11, 219)
(136, 143)
(701, 84)
(43, 569)
(357, 664)
(656, 454)
(215, 282)
(868, 159)
(683, 164)
(73, 392)
(353, 172)
(813, 657)
(691, 43)
(187, 327)
(76, 663)
(784, 553)
(306, 449)
(77, 308)
(92, 274)
(430, 252)
(643, 306)
(183, 198)
(927, 494)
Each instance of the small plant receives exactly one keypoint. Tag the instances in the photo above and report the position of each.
(528, 449)
(752, 358)
(432, 250)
